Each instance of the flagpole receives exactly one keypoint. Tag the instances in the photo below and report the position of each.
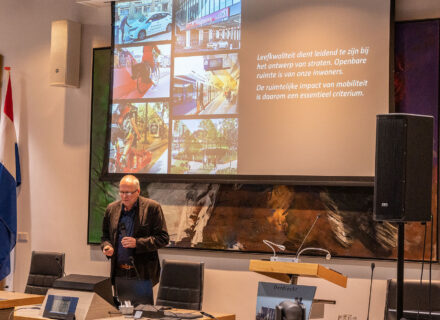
(8, 77)
(8, 281)
(9, 285)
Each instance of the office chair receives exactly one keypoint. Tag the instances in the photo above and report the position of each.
(181, 285)
(46, 267)
(415, 297)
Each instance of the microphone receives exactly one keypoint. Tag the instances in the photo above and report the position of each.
(134, 266)
(122, 229)
(300, 250)
(58, 260)
(271, 245)
(207, 315)
(328, 255)
(304, 240)
(371, 286)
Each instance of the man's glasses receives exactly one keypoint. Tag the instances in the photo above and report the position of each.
(127, 193)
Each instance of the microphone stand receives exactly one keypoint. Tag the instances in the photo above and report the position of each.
(124, 234)
(57, 259)
(134, 266)
(371, 287)
(400, 268)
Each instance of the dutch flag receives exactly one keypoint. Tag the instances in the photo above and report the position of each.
(10, 179)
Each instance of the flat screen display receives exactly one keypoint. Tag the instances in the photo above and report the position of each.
(60, 307)
(236, 88)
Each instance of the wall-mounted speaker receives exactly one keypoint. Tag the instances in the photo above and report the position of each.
(403, 179)
(65, 53)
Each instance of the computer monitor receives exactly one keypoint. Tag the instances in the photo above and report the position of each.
(136, 291)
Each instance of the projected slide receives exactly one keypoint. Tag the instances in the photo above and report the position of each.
(249, 87)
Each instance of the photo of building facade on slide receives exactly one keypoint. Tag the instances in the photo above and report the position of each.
(206, 85)
(204, 146)
(139, 138)
(142, 21)
(141, 72)
(205, 25)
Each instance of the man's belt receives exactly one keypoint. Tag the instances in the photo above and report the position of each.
(125, 266)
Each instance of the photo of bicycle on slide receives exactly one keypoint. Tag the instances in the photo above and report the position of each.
(142, 72)
(147, 73)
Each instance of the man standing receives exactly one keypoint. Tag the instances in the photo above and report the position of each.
(133, 229)
(124, 22)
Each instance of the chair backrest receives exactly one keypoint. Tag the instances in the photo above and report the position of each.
(415, 298)
(181, 285)
(46, 267)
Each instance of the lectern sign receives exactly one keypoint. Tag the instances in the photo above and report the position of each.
(278, 299)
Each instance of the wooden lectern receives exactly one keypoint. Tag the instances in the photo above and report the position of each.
(290, 271)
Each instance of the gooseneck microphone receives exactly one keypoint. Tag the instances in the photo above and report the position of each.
(371, 286)
(304, 240)
(208, 315)
(271, 245)
(58, 260)
(299, 251)
(134, 266)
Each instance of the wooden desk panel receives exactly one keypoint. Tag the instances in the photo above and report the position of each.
(33, 314)
(10, 299)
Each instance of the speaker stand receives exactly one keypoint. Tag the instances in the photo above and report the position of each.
(400, 271)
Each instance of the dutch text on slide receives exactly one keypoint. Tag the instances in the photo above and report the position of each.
(312, 74)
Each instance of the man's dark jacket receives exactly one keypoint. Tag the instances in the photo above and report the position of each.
(150, 231)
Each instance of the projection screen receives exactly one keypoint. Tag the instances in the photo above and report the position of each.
(233, 89)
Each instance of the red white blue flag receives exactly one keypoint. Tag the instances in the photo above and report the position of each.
(10, 179)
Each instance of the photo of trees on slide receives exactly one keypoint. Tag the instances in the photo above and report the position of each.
(205, 146)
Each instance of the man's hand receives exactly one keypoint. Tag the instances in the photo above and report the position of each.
(108, 251)
(128, 242)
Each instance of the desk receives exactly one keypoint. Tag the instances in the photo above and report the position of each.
(219, 316)
(32, 314)
(9, 300)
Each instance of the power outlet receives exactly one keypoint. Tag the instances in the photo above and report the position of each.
(23, 236)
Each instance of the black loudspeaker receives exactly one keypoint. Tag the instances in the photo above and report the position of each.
(403, 179)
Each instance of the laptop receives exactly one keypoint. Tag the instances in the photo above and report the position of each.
(135, 291)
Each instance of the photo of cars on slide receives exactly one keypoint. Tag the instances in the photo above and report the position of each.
(142, 21)
(206, 85)
(139, 138)
(141, 72)
(203, 27)
(204, 146)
